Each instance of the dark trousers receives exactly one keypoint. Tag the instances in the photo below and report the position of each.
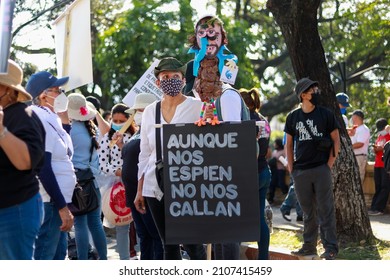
(315, 194)
(382, 189)
(172, 252)
(278, 177)
(151, 247)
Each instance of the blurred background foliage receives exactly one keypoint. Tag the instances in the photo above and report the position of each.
(128, 35)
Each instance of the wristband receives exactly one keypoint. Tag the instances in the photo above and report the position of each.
(2, 135)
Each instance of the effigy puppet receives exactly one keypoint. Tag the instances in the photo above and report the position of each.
(213, 63)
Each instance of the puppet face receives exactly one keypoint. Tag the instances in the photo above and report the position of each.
(213, 33)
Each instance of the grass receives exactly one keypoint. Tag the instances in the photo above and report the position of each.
(290, 240)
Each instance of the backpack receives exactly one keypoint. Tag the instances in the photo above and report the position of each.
(386, 156)
(245, 115)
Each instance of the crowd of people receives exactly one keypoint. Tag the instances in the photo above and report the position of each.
(44, 147)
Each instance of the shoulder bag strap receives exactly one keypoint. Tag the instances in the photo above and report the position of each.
(158, 134)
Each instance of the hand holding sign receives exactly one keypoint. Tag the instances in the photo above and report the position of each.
(127, 124)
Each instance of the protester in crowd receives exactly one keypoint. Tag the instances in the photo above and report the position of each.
(381, 177)
(103, 124)
(290, 201)
(252, 100)
(22, 150)
(343, 101)
(110, 162)
(84, 137)
(150, 242)
(278, 170)
(107, 116)
(360, 138)
(208, 43)
(310, 167)
(57, 175)
(175, 108)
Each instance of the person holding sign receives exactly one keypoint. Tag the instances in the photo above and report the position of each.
(175, 108)
(210, 74)
(110, 162)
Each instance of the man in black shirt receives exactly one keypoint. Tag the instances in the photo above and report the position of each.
(310, 128)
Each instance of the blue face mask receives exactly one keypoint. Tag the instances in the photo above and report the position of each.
(116, 127)
(343, 111)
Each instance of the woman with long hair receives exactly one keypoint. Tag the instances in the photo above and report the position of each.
(84, 136)
(252, 100)
(110, 162)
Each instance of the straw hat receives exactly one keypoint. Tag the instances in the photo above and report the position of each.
(13, 79)
(79, 108)
(141, 101)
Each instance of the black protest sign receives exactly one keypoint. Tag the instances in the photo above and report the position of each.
(211, 184)
(6, 16)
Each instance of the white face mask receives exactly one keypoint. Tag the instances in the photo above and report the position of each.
(138, 118)
(60, 103)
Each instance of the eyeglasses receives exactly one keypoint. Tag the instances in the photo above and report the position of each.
(210, 32)
(58, 91)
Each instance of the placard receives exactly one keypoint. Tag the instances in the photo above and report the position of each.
(145, 84)
(73, 44)
(211, 183)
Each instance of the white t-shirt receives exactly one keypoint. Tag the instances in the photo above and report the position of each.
(186, 112)
(362, 135)
(230, 104)
(59, 144)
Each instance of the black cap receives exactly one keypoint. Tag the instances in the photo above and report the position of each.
(380, 124)
(358, 113)
(303, 85)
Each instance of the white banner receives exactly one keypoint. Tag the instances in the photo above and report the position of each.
(6, 16)
(73, 44)
(146, 84)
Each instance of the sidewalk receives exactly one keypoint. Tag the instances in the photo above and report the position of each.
(380, 227)
(380, 224)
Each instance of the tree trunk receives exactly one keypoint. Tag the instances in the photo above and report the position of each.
(297, 20)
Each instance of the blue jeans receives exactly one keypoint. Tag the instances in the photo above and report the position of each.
(90, 222)
(62, 247)
(150, 242)
(19, 227)
(290, 202)
(263, 243)
(51, 241)
(123, 242)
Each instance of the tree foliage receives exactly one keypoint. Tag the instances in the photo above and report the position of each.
(125, 42)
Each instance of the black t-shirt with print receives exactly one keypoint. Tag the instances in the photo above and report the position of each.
(322, 122)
